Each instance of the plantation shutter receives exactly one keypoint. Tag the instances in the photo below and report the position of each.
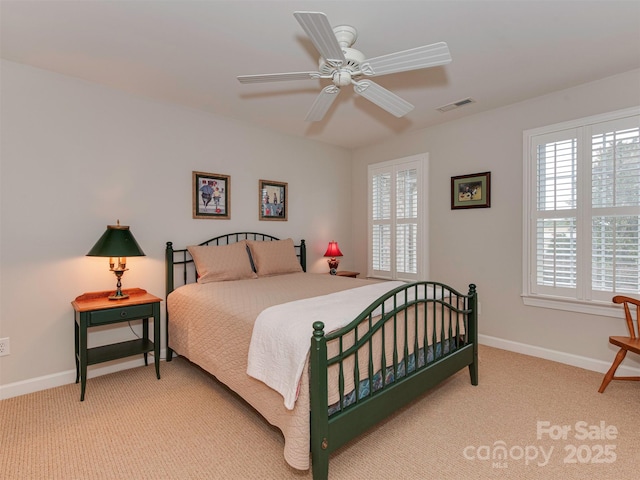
(556, 214)
(381, 200)
(615, 207)
(395, 196)
(585, 228)
(407, 220)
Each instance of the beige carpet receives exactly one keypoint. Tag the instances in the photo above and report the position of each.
(187, 426)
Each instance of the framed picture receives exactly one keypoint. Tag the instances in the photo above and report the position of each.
(471, 191)
(211, 194)
(272, 200)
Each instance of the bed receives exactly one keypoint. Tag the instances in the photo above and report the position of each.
(364, 348)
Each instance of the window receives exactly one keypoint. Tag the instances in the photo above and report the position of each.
(396, 217)
(582, 212)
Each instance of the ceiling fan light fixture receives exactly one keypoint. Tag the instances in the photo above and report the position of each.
(342, 78)
(352, 60)
(345, 65)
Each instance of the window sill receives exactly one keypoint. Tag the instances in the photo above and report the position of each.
(590, 308)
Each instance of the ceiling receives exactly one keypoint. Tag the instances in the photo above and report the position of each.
(190, 52)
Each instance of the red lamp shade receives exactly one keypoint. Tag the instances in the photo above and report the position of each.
(333, 251)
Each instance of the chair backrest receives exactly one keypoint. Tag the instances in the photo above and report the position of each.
(633, 333)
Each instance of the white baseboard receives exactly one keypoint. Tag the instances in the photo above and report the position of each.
(557, 356)
(64, 378)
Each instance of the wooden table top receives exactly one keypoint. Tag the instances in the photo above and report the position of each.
(100, 300)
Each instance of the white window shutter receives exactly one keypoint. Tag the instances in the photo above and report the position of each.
(615, 196)
(395, 219)
(582, 211)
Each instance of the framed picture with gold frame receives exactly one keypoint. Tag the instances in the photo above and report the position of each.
(211, 194)
(272, 200)
(471, 191)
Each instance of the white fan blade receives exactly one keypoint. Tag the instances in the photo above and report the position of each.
(412, 59)
(277, 77)
(316, 25)
(322, 103)
(382, 97)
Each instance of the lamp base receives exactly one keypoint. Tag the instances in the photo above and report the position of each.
(115, 296)
(119, 295)
(333, 265)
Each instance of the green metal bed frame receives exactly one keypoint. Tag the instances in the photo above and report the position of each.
(458, 317)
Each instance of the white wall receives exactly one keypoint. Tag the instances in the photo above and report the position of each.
(77, 157)
(484, 246)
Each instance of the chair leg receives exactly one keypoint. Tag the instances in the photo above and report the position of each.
(614, 366)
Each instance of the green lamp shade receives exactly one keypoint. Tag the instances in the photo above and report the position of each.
(117, 241)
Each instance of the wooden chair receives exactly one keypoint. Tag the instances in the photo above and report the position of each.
(626, 344)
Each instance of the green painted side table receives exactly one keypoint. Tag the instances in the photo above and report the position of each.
(95, 309)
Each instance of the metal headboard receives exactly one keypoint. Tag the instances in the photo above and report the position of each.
(181, 269)
(180, 265)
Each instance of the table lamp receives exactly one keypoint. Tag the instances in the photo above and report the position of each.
(117, 243)
(333, 251)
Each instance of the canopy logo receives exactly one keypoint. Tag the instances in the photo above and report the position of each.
(592, 450)
(499, 454)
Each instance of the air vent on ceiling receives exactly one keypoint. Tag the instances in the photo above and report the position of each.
(459, 103)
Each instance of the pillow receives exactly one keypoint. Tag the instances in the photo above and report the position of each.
(275, 257)
(217, 263)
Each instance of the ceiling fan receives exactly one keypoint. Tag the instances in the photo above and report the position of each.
(344, 66)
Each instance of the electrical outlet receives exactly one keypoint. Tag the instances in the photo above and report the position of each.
(4, 346)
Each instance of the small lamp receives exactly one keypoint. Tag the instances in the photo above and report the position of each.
(117, 243)
(333, 251)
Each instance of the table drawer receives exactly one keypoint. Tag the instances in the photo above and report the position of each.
(120, 314)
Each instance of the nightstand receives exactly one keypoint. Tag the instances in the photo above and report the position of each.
(94, 309)
(346, 273)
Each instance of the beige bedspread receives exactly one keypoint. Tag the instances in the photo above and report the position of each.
(218, 341)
